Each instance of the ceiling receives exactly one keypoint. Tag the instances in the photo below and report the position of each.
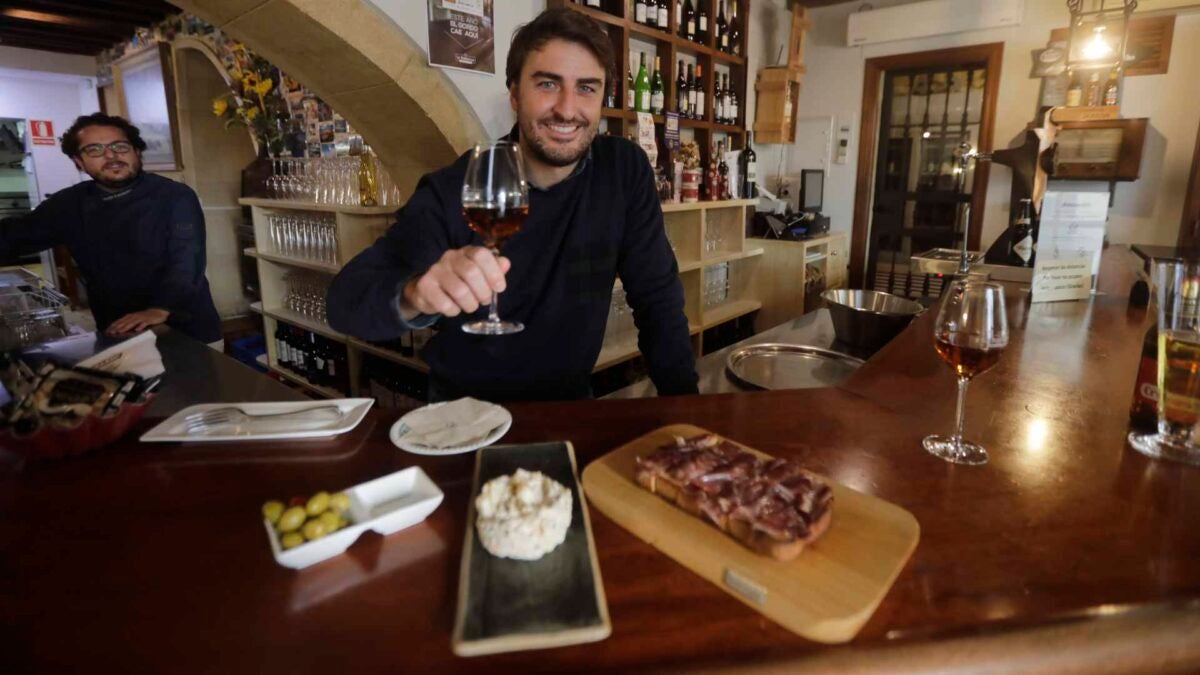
(76, 26)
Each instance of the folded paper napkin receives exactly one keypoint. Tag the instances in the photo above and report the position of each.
(454, 424)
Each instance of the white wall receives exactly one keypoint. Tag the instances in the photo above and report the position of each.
(47, 62)
(487, 93)
(1146, 211)
(28, 94)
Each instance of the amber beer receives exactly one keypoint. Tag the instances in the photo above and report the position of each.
(1179, 380)
(496, 225)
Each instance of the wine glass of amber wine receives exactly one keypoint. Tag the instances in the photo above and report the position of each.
(495, 200)
(970, 334)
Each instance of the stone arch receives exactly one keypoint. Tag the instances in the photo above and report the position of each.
(360, 62)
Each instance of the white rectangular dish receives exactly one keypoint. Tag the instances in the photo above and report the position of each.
(384, 505)
(174, 430)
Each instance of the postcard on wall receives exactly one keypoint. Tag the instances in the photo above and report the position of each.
(461, 35)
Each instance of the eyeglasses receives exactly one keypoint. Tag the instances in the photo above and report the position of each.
(97, 149)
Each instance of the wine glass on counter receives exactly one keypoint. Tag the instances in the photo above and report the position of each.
(495, 199)
(970, 334)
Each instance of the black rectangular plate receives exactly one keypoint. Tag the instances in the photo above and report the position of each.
(505, 604)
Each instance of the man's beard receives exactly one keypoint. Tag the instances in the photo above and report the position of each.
(119, 184)
(554, 155)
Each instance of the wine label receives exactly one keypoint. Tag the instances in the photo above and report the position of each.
(1024, 248)
(1146, 389)
(733, 113)
(700, 106)
(703, 23)
(691, 27)
(639, 13)
(657, 101)
(752, 171)
(629, 98)
(664, 19)
(645, 101)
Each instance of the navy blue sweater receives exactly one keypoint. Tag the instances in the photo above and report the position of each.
(138, 248)
(582, 233)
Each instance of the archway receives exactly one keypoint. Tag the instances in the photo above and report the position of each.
(208, 151)
(363, 65)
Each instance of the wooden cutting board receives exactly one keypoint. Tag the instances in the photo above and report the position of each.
(825, 595)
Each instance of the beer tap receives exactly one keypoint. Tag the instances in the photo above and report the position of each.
(966, 154)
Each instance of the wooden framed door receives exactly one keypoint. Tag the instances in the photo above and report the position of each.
(916, 109)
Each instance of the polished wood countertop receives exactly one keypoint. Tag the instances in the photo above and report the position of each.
(1068, 552)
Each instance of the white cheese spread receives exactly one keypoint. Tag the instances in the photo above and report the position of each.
(523, 516)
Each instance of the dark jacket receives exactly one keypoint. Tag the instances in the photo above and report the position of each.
(138, 248)
(602, 222)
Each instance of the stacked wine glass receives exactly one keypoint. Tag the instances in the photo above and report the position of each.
(306, 294)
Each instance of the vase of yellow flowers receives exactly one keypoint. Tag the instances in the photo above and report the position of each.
(255, 103)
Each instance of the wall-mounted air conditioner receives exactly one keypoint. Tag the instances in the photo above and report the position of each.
(929, 18)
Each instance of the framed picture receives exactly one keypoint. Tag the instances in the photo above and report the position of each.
(146, 91)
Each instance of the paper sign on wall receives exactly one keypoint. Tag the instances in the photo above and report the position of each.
(42, 132)
(1064, 279)
(1072, 225)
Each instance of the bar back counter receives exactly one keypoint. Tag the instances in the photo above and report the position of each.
(1068, 552)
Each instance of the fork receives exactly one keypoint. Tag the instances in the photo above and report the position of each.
(235, 415)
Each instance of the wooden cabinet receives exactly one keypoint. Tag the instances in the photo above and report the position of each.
(1100, 150)
(788, 271)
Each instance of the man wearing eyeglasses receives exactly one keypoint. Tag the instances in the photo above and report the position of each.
(138, 238)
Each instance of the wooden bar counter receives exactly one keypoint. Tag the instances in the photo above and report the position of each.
(1068, 552)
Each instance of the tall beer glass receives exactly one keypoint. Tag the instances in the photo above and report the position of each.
(1177, 292)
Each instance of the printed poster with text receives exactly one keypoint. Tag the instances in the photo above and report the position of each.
(461, 35)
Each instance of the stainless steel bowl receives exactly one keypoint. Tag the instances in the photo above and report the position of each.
(869, 319)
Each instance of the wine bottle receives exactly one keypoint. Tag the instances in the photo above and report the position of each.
(281, 347)
(735, 31)
(610, 99)
(733, 106)
(658, 93)
(718, 103)
(722, 173)
(681, 91)
(630, 94)
(688, 30)
(679, 16)
(1021, 253)
(1075, 92)
(692, 92)
(1143, 413)
(730, 117)
(1111, 88)
(700, 93)
(702, 25)
(664, 15)
(749, 169)
(722, 28)
(641, 87)
(639, 11)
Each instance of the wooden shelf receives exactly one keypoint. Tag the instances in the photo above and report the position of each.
(730, 310)
(389, 355)
(684, 122)
(294, 262)
(288, 316)
(729, 256)
(672, 207)
(684, 44)
(286, 374)
(288, 205)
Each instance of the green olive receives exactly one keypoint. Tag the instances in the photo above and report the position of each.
(317, 504)
(315, 529)
(331, 521)
(272, 510)
(340, 502)
(292, 519)
(291, 540)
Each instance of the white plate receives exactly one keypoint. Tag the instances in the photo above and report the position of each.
(385, 505)
(172, 429)
(400, 429)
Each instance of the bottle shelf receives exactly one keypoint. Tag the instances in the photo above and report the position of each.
(294, 262)
(289, 205)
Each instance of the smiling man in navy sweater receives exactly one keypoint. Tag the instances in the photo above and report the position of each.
(594, 215)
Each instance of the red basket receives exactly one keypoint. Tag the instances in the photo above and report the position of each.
(93, 433)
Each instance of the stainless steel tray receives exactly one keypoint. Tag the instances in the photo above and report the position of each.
(781, 366)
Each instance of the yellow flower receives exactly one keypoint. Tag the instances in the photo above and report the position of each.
(220, 106)
(264, 87)
(251, 113)
(249, 82)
